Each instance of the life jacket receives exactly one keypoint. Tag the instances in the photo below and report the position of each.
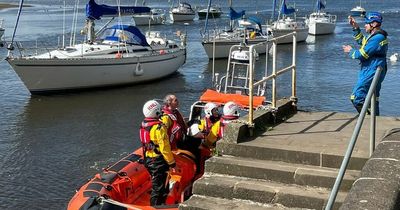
(145, 139)
(208, 125)
(224, 120)
(176, 131)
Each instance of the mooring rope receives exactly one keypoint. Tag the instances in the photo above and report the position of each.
(111, 201)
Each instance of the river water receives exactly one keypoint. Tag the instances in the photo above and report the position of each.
(51, 145)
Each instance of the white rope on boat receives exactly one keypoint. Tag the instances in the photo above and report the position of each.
(111, 201)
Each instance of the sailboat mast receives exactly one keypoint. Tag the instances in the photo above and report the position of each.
(11, 45)
(231, 21)
(279, 13)
(208, 12)
(63, 36)
(273, 9)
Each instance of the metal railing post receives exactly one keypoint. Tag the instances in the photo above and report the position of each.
(294, 67)
(251, 63)
(274, 73)
(356, 132)
(213, 58)
(372, 125)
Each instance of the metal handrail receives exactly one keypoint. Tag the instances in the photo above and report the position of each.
(371, 97)
(274, 75)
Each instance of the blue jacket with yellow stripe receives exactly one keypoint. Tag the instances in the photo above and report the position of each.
(372, 53)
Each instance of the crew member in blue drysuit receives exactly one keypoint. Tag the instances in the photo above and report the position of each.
(372, 54)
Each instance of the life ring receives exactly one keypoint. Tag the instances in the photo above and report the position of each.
(138, 70)
(162, 52)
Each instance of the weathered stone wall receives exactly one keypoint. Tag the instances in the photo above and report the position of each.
(379, 184)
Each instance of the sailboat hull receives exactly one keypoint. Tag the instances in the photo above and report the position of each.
(52, 74)
(142, 20)
(302, 34)
(222, 47)
(320, 28)
(178, 17)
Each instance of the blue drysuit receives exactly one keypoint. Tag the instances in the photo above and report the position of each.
(371, 54)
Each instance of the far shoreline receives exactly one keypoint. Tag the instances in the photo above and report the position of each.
(7, 6)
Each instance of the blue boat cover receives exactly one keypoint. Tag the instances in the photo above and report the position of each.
(125, 33)
(255, 20)
(95, 11)
(235, 15)
(285, 10)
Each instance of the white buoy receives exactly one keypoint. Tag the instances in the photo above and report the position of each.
(394, 57)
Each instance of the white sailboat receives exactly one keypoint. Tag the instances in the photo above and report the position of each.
(183, 12)
(358, 11)
(1, 28)
(286, 24)
(154, 17)
(119, 55)
(249, 31)
(214, 12)
(320, 22)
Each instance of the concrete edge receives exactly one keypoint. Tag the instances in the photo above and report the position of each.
(379, 184)
(237, 132)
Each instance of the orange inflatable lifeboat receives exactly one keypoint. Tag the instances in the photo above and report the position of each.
(127, 185)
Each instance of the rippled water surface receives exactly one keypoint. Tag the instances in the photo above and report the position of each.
(50, 145)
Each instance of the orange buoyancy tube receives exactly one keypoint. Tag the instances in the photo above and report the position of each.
(128, 182)
(222, 98)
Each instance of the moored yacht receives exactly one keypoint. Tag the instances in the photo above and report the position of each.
(1, 28)
(183, 12)
(249, 30)
(118, 55)
(320, 22)
(215, 12)
(358, 11)
(285, 25)
(154, 17)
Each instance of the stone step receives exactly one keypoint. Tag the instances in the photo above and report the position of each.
(262, 191)
(198, 202)
(283, 172)
(264, 150)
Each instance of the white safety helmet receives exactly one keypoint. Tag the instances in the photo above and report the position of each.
(231, 109)
(209, 107)
(152, 109)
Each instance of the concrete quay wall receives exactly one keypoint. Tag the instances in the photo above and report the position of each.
(379, 184)
(263, 119)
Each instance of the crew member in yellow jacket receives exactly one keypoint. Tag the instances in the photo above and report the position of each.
(157, 151)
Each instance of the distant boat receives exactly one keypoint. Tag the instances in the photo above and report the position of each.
(285, 25)
(119, 55)
(215, 12)
(154, 17)
(183, 12)
(249, 31)
(357, 11)
(320, 22)
(1, 28)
